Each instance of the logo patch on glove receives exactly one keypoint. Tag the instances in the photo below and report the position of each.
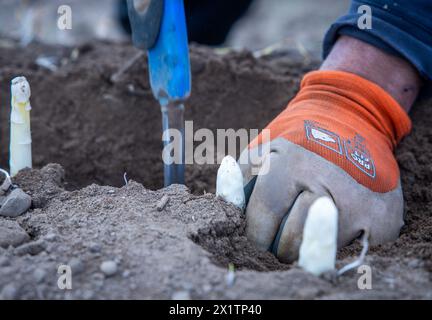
(355, 149)
(357, 153)
(323, 137)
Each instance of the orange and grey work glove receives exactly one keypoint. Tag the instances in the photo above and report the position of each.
(335, 139)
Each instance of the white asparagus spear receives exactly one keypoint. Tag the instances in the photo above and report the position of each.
(229, 182)
(20, 139)
(319, 245)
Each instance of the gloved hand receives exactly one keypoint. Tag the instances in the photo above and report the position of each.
(335, 139)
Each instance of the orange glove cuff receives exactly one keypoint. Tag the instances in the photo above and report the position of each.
(349, 121)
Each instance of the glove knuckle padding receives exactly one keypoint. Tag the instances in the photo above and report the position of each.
(335, 139)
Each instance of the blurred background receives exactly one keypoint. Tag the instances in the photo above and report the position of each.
(251, 24)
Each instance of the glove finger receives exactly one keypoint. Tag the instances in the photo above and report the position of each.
(288, 240)
(270, 200)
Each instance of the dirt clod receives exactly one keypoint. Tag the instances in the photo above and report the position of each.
(11, 234)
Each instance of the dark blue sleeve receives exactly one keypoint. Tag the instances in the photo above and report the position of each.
(399, 27)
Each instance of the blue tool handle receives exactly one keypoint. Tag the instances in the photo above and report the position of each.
(169, 64)
(145, 22)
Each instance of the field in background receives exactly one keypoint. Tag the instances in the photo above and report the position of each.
(300, 24)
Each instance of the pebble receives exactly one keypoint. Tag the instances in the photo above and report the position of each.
(98, 280)
(133, 286)
(9, 292)
(109, 268)
(207, 288)
(188, 286)
(162, 203)
(39, 275)
(88, 294)
(181, 295)
(415, 263)
(51, 236)
(307, 293)
(197, 66)
(4, 262)
(32, 248)
(16, 203)
(76, 265)
(4, 188)
(95, 247)
(11, 234)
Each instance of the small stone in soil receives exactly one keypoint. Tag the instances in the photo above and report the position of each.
(415, 263)
(330, 276)
(207, 288)
(133, 286)
(162, 203)
(4, 262)
(76, 265)
(9, 292)
(50, 236)
(15, 204)
(95, 247)
(39, 275)
(4, 188)
(32, 248)
(181, 295)
(109, 268)
(87, 295)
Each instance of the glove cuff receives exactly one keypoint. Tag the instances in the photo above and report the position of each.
(378, 107)
(350, 122)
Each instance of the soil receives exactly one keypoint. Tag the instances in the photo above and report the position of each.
(84, 214)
